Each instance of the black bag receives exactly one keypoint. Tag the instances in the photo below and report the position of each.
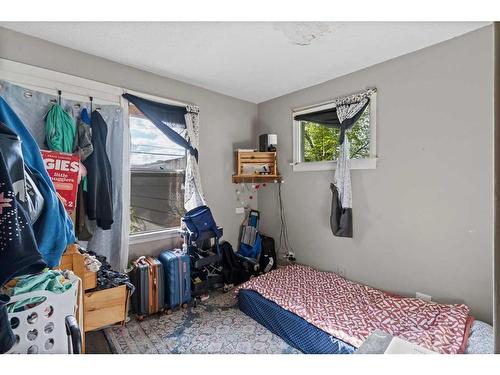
(268, 260)
(340, 217)
(232, 269)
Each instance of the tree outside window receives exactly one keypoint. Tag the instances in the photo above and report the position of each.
(321, 143)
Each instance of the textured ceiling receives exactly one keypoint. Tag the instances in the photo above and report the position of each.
(254, 61)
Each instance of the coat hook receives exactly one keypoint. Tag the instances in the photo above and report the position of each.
(59, 97)
(91, 100)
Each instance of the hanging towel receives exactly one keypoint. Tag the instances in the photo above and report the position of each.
(60, 130)
(99, 196)
(54, 229)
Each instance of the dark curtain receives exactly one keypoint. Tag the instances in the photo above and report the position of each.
(164, 117)
(329, 118)
(326, 117)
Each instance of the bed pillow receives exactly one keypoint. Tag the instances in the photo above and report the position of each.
(480, 339)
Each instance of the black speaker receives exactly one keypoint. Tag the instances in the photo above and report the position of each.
(268, 142)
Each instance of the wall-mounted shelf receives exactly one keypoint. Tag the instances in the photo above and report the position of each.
(239, 179)
(254, 166)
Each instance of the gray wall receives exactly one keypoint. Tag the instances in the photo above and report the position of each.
(423, 220)
(496, 299)
(225, 122)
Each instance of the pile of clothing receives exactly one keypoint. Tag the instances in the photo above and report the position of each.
(55, 281)
(106, 277)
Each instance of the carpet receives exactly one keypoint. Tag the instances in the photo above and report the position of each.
(215, 326)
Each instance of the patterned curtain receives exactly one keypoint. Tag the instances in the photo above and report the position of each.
(341, 215)
(193, 192)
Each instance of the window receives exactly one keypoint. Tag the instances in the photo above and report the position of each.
(157, 167)
(316, 146)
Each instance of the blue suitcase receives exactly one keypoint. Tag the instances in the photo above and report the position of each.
(177, 273)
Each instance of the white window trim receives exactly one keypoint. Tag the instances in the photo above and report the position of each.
(154, 236)
(77, 88)
(301, 166)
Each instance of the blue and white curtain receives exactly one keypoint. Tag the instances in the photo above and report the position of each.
(163, 116)
(348, 108)
(193, 191)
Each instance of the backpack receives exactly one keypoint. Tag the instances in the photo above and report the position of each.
(232, 269)
(199, 220)
(268, 260)
(250, 239)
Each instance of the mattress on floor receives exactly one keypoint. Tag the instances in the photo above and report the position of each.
(350, 311)
(293, 329)
(309, 339)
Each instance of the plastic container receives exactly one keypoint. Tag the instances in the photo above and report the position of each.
(48, 327)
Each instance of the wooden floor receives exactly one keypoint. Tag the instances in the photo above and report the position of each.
(96, 343)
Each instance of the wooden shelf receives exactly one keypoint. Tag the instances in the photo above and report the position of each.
(238, 179)
(249, 165)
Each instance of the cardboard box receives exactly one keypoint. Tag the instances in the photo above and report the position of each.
(63, 170)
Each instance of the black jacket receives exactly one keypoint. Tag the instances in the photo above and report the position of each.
(99, 197)
(19, 253)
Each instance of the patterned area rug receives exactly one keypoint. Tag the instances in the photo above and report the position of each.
(215, 326)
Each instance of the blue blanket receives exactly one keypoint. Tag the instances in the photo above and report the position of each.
(292, 328)
(54, 229)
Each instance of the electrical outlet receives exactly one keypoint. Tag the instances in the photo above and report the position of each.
(424, 297)
(240, 210)
(341, 270)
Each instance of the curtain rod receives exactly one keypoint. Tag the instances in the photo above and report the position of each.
(58, 92)
(10, 68)
(330, 101)
(159, 99)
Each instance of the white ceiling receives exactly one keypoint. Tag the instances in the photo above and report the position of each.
(254, 61)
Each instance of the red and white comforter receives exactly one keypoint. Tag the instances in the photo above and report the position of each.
(351, 311)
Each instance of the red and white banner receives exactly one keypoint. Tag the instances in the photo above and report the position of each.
(64, 171)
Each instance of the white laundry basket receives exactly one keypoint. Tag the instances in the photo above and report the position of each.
(43, 328)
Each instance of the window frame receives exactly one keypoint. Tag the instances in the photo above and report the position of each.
(300, 165)
(157, 235)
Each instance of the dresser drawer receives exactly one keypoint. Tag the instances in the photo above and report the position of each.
(105, 307)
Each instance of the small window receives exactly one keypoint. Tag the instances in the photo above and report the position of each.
(316, 146)
(157, 167)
